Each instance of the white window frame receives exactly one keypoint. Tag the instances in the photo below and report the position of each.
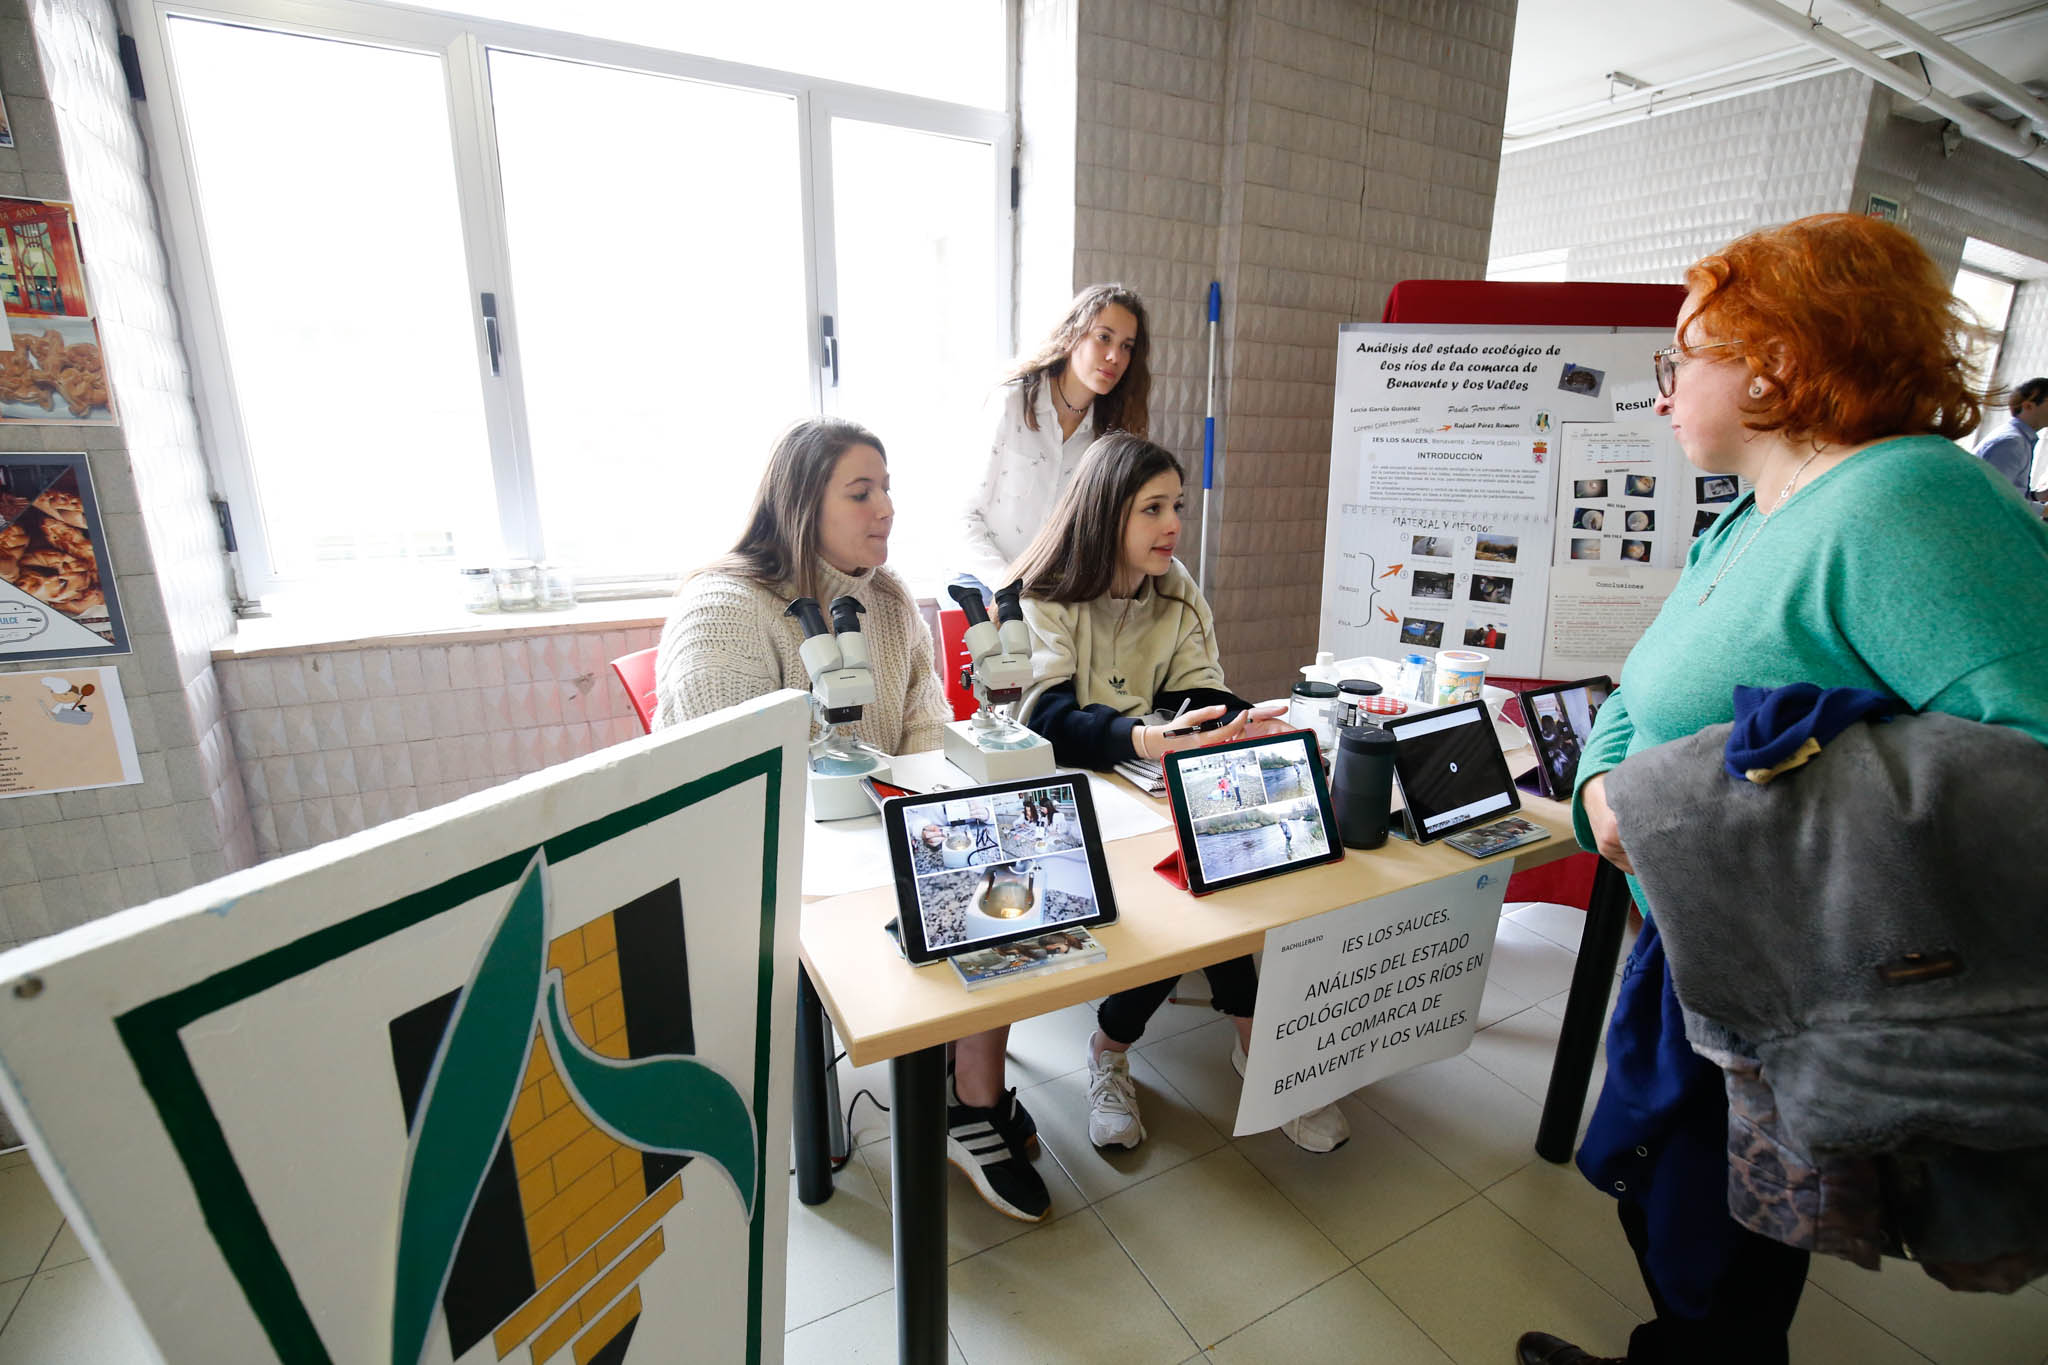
(463, 44)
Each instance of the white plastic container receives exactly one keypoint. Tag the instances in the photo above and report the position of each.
(1460, 675)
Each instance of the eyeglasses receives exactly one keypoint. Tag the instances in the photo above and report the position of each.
(1670, 358)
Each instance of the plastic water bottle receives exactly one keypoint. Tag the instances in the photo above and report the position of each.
(1418, 679)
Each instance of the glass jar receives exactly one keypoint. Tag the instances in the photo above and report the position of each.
(557, 588)
(517, 585)
(1310, 707)
(479, 594)
(1351, 695)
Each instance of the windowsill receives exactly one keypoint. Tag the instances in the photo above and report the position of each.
(377, 625)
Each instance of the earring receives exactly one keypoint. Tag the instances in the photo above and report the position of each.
(1756, 388)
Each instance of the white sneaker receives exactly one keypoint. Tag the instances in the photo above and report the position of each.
(1319, 1130)
(1113, 1102)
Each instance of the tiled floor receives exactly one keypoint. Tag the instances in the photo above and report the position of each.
(1435, 1235)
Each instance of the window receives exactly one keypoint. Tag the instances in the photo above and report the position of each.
(460, 292)
(1990, 298)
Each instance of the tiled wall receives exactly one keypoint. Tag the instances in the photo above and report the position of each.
(1642, 201)
(2025, 355)
(1946, 197)
(1307, 154)
(334, 741)
(70, 858)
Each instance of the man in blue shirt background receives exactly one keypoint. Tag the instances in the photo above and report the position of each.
(2011, 452)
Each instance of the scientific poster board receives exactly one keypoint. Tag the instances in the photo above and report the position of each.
(509, 1079)
(1443, 480)
(1361, 993)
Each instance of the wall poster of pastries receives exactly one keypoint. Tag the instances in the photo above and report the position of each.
(53, 370)
(57, 598)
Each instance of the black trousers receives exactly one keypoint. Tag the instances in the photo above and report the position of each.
(1753, 1303)
(1233, 988)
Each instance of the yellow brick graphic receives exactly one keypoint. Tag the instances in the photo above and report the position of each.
(600, 936)
(608, 1327)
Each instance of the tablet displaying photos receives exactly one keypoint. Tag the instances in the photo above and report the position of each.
(979, 866)
(1560, 719)
(1450, 771)
(1250, 809)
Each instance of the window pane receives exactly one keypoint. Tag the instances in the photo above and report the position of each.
(336, 250)
(914, 215)
(941, 49)
(658, 272)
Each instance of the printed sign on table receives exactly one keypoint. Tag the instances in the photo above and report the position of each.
(1360, 993)
(505, 1081)
(57, 593)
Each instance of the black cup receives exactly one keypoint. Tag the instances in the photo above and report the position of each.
(1362, 785)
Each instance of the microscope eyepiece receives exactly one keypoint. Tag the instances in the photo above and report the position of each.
(809, 615)
(970, 602)
(1009, 602)
(846, 614)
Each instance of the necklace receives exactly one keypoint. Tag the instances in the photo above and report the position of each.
(1757, 529)
(1059, 393)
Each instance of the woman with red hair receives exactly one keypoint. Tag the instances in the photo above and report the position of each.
(1825, 363)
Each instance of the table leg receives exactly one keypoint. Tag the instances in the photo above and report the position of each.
(811, 1113)
(1585, 1014)
(917, 1162)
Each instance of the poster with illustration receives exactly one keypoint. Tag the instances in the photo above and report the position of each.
(52, 370)
(57, 594)
(64, 730)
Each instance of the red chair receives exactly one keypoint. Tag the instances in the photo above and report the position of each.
(636, 675)
(952, 659)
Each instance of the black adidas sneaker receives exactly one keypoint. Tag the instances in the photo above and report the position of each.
(980, 1142)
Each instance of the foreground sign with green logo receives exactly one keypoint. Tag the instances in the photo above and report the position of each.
(507, 1080)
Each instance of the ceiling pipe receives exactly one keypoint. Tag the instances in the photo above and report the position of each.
(1942, 52)
(1974, 124)
(1671, 96)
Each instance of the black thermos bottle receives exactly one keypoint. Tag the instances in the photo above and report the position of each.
(1362, 785)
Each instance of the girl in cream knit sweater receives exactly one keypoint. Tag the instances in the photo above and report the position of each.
(819, 528)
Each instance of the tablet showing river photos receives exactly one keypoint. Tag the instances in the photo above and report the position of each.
(1250, 810)
(990, 866)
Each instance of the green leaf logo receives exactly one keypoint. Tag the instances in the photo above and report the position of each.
(658, 1104)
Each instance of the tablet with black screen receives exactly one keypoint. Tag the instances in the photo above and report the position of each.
(1450, 771)
(1249, 809)
(979, 866)
(1559, 719)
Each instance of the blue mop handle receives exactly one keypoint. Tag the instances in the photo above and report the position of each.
(1209, 409)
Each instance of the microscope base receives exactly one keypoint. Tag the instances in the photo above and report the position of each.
(840, 796)
(995, 765)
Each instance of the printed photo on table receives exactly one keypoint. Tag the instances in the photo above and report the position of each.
(57, 594)
(1497, 549)
(1493, 590)
(1636, 550)
(1588, 519)
(1440, 585)
(1589, 488)
(1418, 630)
(1641, 486)
(1716, 488)
(1585, 547)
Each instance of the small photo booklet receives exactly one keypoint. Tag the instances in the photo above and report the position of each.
(1498, 837)
(1053, 952)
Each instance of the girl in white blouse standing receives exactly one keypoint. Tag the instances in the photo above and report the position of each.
(1090, 376)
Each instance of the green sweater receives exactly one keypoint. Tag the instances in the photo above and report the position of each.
(1907, 568)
